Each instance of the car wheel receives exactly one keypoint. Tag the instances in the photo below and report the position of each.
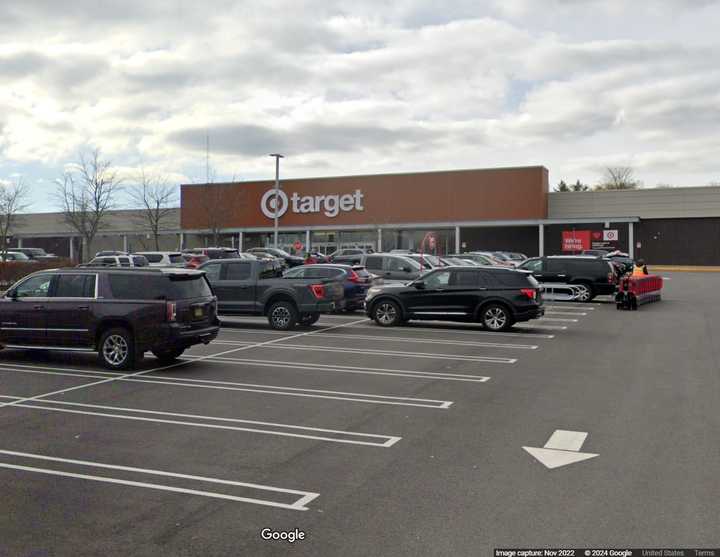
(387, 313)
(309, 319)
(168, 356)
(495, 317)
(585, 292)
(117, 349)
(282, 316)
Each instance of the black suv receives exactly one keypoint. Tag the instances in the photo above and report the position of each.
(118, 313)
(290, 260)
(495, 297)
(592, 275)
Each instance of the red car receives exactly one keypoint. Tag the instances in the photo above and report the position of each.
(193, 261)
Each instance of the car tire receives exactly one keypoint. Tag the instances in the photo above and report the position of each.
(309, 319)
(282, 316)
(496, 317)
(586, 293)
(168, 356)
(387, 313)
(116, 349)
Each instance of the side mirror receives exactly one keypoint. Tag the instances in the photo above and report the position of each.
(12, 295)
(419, 284)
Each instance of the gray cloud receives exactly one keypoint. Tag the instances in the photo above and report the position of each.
(62, 72)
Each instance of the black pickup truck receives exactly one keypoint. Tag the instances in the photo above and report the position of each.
(255, 288)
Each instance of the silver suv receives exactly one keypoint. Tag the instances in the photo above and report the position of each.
(391, 267)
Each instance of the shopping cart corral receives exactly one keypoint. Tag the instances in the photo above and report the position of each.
(560, 292)
(634, 291)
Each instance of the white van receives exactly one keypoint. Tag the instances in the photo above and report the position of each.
(163, 258)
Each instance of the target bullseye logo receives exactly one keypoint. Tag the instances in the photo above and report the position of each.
(269, 203)
(331, 205)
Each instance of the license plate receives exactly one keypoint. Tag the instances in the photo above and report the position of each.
(198, 312)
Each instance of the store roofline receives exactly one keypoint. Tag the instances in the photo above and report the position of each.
(353, 176)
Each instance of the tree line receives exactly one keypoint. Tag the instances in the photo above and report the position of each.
(86, 193)
(613, 178)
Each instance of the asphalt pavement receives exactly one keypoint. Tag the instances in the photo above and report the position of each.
(430, 439)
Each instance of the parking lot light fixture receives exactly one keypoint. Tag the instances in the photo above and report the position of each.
(277, 156)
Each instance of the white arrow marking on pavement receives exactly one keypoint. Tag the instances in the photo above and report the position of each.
(561, 449)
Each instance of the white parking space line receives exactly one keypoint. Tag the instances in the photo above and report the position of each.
(582, 307)
(350, 437)
(302, 497)
(542, 327)
(143, 372)
(371, 352)
(294, 366)
(254, 388)
(558, 319)
(552, 312)
(455, 328)
(421, 340)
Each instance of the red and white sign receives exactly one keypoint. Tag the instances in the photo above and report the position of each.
(610, 235)
(298, 245)
(575, 240)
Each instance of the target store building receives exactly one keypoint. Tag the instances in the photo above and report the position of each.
(479, 209)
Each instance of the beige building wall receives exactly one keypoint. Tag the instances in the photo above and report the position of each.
(644, 203)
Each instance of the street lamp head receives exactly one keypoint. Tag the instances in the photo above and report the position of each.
(278, 155)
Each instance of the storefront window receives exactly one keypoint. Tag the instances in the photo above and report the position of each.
(286, 241)
(329, 241)
(411, 239)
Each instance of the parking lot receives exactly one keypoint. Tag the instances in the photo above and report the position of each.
(371, 441)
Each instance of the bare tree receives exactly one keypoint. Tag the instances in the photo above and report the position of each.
(85, 194)
(13, 196)
(219, 202)
(155, 197)
(618, 178)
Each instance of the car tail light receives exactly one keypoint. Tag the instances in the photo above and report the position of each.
(531, 293)
(354, 277)
(318, 290)
(171, 311)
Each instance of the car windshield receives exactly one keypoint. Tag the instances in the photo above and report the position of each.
(432, 259)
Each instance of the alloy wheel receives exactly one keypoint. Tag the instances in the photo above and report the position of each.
(115, 350)
(281, 316)
(386, 313)
(583, 294)
(495, 318)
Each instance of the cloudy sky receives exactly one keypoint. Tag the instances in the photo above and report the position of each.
(361, 86)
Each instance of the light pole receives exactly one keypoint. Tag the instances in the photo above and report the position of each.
(277, 156)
